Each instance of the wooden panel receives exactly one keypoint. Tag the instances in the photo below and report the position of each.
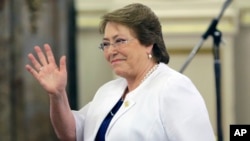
(24, 105)
(5, 105)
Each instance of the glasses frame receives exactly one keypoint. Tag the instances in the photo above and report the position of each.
(115, 44)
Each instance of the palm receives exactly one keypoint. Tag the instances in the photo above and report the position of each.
(51, 77)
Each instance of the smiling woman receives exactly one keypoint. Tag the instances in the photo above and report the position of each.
(149, 101)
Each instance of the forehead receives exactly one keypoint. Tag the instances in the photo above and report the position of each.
(114, 30)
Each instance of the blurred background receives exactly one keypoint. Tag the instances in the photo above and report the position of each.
(71, 28)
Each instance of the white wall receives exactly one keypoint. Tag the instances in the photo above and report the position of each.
(93, 71)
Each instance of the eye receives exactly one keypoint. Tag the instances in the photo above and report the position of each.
(105, 44)
(120, 41)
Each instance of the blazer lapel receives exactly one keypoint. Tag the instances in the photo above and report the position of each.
(126, 106)
(109, 102)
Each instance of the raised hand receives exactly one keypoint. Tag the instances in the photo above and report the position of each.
(52, 78)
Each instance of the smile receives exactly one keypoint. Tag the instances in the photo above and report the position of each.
(116, 61)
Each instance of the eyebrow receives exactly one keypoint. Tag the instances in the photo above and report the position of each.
(114, 37)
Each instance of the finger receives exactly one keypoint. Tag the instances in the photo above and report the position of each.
(32, 71)
(34, 62)
(49, 53)
(41, 55)
(63, 66)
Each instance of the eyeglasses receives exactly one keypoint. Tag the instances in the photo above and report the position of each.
(117, 44)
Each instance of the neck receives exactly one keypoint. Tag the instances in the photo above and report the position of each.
(147, 71)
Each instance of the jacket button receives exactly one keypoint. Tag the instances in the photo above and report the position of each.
(126, 103)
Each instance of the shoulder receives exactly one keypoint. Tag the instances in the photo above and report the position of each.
(113, 84)
(170, 76)
(112, 87)
(174, 84)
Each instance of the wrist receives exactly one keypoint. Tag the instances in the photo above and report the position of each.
(58, 95)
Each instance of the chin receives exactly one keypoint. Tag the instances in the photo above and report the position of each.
(119, 72)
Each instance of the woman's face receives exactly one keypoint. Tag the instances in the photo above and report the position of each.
(127, 56)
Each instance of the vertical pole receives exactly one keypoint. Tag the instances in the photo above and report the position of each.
(217, 69)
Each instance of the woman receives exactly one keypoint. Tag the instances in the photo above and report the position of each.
(149, 102)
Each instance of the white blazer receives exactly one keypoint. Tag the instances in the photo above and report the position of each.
(165, 107)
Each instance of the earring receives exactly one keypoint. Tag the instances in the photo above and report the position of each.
(149, 56)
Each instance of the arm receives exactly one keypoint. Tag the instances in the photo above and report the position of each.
(62, 118)
(184, 112)
(54, 80)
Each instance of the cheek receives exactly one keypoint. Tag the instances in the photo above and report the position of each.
(106, 56)
(134, 57)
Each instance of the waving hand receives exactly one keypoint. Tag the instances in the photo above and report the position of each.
(52, 78)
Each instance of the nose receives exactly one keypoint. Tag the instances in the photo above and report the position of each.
(111, 49)
(111, 52)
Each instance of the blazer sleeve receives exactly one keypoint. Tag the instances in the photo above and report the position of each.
(79, 117)
(183, 111)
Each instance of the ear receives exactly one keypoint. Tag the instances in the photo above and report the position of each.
(149, 49)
